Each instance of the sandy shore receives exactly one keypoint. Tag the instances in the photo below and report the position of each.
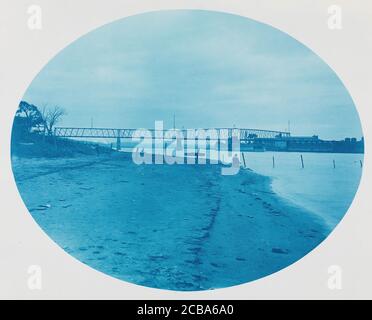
(178, 227)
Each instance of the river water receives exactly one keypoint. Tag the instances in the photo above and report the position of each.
(319, 187)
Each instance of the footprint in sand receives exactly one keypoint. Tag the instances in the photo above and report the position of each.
(216, 265)
(119, 253)
(280, 251)
(240, 259)
(102, 258)
(86, 188)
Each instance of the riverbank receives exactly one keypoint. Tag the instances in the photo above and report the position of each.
(180, 227)
(41, 146)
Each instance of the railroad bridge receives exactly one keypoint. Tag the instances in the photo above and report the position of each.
(194, 134)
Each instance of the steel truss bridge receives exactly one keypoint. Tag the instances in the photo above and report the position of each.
(186, 134)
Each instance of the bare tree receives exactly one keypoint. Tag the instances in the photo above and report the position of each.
(51, 117)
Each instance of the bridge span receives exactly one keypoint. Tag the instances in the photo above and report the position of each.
(202, 133)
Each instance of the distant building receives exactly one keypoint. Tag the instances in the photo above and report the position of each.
(304, 144)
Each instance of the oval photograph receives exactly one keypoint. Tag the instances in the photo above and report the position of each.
(187, 150)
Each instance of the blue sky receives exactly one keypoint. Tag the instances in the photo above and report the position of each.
(210, 69)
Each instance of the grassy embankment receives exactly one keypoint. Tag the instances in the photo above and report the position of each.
(37, 145)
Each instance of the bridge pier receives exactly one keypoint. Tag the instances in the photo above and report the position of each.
(196, 150)
(229, 144)
(118, 141)
(208, 150)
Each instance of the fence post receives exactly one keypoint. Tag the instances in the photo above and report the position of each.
(243, 159)
(302, 162)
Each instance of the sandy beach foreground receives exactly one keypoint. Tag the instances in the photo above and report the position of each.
(180, 227)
